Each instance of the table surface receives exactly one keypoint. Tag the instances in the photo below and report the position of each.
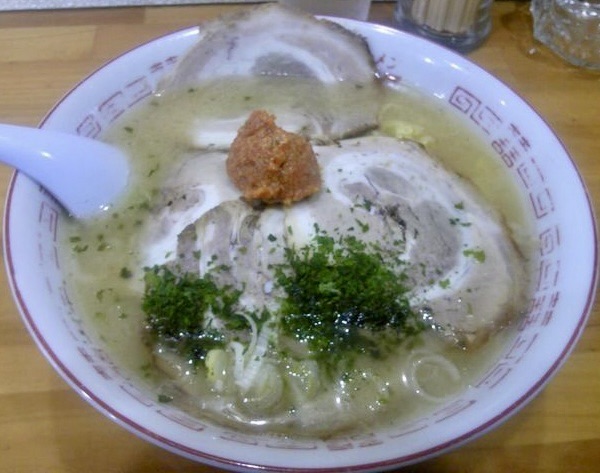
(47, 427)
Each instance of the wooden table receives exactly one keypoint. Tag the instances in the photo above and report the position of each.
(46, 427)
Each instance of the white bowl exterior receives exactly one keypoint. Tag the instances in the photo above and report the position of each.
(532, 154)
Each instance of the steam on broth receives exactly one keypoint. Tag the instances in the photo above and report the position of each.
(292, 391)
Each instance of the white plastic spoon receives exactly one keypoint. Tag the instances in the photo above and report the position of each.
(86, 176)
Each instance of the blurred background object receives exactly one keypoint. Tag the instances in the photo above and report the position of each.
(355, 9)
(459, 24)
(570, 28)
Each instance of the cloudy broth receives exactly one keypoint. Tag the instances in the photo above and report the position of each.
(106, 262)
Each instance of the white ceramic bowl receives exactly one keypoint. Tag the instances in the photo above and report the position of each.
(565, 284)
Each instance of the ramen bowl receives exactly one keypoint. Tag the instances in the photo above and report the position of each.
(562, 296)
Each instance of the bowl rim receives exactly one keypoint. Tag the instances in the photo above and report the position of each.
(88, 394)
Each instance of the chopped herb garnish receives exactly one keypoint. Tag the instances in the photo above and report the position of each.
(367, 205)
(444, 283)
(363, 226)
(153, 170)
(339, 295)
(457, 221)
(163, 398)
(340, 298)
(176, 307)
(478, 255)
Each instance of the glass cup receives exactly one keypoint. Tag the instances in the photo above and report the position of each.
(570, 28)
(355, 9)
(459, 24)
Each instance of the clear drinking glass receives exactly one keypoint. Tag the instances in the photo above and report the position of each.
(355, 9)
(460, 24)
(570, 28)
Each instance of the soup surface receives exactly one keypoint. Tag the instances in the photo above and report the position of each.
(263, 370)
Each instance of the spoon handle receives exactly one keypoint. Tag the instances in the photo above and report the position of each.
(85, 175)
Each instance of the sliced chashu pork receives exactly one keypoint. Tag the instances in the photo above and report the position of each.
(464, 270)
(275, 42)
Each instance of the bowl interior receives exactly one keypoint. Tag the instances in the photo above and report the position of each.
(534, 157)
